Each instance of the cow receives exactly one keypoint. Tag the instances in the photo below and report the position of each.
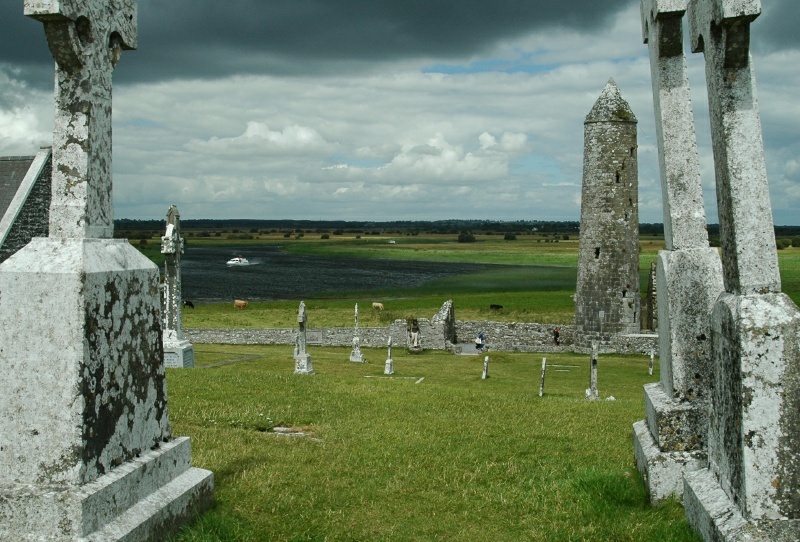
(239, 303)
(378, 306)
(187, 303)
(494, 307)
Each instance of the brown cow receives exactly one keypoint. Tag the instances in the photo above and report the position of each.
(239, 303)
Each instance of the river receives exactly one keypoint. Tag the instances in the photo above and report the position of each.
(273, 274)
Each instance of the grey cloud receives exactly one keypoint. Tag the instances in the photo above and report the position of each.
(211, 38)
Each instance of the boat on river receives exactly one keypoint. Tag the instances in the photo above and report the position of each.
(237, 261)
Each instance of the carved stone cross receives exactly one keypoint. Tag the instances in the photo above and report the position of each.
(85, 38)
(684, 215)
(172, 248)
(721, 30)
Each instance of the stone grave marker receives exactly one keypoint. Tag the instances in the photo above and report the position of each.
(80, 325)
(485, 374)
(541, 383)
(750, 488)
(178, 351)
(591, 391)
(671, 440)
(388, 368)
(355, 354)
(302, 360)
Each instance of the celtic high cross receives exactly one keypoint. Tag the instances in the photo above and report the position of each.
(86, 38)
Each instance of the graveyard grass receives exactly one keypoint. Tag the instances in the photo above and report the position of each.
(452, 457)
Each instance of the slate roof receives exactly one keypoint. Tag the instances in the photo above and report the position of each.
(12, 171)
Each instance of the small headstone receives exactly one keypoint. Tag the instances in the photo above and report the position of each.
(541, 383)
(650, 365)
(591, 392)
(485, 368)
(302, 360)
(355, 353)
(389, 367)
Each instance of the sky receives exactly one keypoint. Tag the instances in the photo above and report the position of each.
(386, 109)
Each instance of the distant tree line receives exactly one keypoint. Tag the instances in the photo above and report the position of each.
(207, 227)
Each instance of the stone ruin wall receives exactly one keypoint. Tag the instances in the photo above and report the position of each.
(502, 336)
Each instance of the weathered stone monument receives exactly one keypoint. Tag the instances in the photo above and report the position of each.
(485, 374)
(86, 450)
(388, 368)
(355, 353)
(672, 438)
(302, 361)
(541, 382)
(591, 391)
(607, 298)
(751, 488)
(178, 352)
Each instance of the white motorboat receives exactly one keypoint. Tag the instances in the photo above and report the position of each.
(237, 261)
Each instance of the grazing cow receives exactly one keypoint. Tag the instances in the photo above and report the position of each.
(378, 306)
(494, 307)
(239, 303)
(187, 303)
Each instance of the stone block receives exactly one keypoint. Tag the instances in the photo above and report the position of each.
(678, 426)
(129, 503)
(662, 472)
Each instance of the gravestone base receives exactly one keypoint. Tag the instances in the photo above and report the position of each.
(662, 472)
(356, 356)
(388, 368)
(676, 426)
(716, 518)
(86, 452)
(302, 365)
(141, 500)
(178, 354)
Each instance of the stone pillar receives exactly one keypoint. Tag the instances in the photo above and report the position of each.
(607, 299)
(302, 361)
(178, 352)
(388, 368)
(750, 488)
(485, 374)
(80, 325)
(591, 391)
(355, 354)
(672, 438)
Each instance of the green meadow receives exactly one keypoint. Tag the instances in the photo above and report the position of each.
(434, 453)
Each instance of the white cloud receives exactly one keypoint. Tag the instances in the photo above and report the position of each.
(399, 142)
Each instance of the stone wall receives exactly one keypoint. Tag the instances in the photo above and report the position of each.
(502, 336)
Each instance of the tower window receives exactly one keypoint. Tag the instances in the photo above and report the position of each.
(617, 177)
(596, 252)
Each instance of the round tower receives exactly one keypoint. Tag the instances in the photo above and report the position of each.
(607, 299)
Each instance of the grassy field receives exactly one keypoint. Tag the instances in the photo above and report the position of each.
(451, 457)
(538, 289)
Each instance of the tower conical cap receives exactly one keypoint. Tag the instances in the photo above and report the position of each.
(610, 106)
